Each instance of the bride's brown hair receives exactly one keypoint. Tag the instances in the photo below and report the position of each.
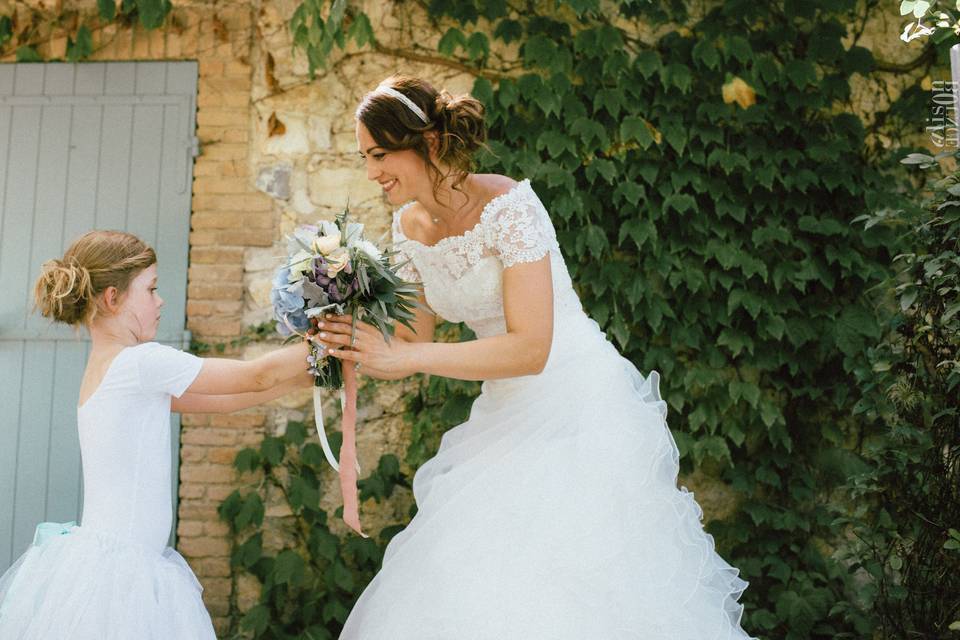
(457, 120)
(67, 288)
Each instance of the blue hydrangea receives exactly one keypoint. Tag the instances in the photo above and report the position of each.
(287, 300)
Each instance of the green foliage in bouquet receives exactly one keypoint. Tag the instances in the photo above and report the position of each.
(906, 499)
(704, 186)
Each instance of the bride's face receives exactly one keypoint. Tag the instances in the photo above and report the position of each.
(402, 174)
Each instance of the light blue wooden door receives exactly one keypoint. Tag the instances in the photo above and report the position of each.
(82, 146)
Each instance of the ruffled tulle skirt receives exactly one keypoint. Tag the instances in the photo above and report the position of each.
(79, 584)
(553, 513)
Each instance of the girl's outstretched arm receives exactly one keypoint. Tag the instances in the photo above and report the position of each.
(228, 403)
(222, 376)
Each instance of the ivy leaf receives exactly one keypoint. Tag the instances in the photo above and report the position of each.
(247, 554)
(596, 240)
(301, 494)
(675, 134)
(256, 620)
(680, 202)
(630, 191)
(251, 512)
(82, 47)
(609, 99)
(153, 12)
(478, 46)
(456, 409)
(735, 340)
(494, 9)
(247, 460)
(508, 31)
(450, 41)
(677, 75)
(556, 143)
(858, 60)
(589, 131)
(738, 47)
(296, 432)
(706, 52)
(580, 7)
(342, 576)
(272, 450)
(483, 91)
(801, 73)
(647, 63)
(603, 168)
(361, 31)
(635, 128)
(749, 301)
(288, 568)
(324, 544)
(28, 54)
(539, 51)
(637, 230)
(507, 93)
(312, 455)
(335, 610)
(107, 9)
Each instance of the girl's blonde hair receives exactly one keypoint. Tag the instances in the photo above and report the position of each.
(67, 288)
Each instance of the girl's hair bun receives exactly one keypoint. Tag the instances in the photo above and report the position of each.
(63, 291)
(67, 288)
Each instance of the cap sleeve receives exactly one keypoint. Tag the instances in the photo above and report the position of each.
(521, 229)
(167, 370)
(407, 271)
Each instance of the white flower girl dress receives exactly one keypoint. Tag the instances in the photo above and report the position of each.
(553, 512)
(114, 577)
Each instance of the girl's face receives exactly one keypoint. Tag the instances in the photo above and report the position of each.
(402, 174)
(139, 306)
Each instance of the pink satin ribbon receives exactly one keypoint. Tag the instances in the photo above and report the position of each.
(348, 450)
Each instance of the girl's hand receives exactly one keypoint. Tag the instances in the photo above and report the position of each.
(376, 357)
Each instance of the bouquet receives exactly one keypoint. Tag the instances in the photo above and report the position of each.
(332, 268)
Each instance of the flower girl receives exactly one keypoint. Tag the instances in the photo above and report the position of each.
(113, 576)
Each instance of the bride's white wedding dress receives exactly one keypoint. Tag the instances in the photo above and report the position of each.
(553, 512)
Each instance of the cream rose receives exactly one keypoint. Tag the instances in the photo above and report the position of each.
(326, 244)
(337, 261)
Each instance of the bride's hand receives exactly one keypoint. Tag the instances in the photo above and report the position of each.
(376, 357)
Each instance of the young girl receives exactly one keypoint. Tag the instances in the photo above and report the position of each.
(113, 577)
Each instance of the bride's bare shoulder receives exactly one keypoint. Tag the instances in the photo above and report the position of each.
(495, 184)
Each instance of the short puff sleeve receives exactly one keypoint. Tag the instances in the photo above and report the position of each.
(407, 271)
(521, 231)
(167, 370)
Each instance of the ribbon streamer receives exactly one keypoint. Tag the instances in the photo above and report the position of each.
(318, 422)
(348, 452)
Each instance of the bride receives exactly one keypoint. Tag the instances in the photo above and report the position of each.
(553, 511)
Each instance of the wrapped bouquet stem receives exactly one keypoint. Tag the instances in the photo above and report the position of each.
(332, 268)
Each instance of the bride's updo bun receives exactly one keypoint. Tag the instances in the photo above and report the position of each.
(68, 288)
(457, 120)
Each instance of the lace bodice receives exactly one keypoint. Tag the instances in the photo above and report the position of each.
(462, 275)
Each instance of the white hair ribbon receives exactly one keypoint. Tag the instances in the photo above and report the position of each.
(390, 91)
